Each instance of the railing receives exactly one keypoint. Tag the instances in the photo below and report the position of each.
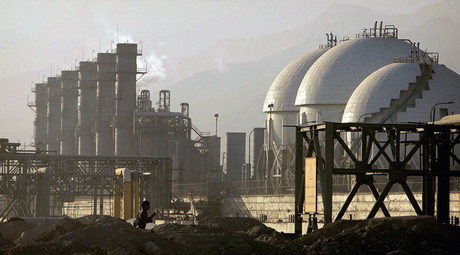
(282, 187)
(142, 70)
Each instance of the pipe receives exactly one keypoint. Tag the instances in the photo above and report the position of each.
(136, 192)
(375, 29)
(381, 28)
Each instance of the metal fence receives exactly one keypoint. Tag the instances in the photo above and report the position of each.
(285, 187)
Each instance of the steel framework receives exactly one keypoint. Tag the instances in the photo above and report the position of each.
(22, 177)
(433, 144)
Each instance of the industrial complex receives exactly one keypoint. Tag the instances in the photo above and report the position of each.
(367, 108)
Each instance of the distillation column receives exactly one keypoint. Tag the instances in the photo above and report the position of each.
(69, 111)
(53, 119)
(125, 100)
(87, 108)
(41, 98)
(105, 103)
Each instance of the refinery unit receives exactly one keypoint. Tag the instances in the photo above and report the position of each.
(95, 111)
(89, 126)
(94, 116)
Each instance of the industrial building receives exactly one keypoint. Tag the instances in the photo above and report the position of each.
(95, 111)
(90, 121)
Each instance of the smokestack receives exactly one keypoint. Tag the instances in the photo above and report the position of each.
(87, 108)
(105, 103)
(53, 125)
(69, 111)
(125, 99)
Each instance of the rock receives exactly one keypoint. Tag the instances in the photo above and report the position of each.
(4, 241)
(59, 228)
(151, 248)
(118, 251)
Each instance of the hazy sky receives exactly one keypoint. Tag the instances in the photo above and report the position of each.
(37, 34)
(40, 37)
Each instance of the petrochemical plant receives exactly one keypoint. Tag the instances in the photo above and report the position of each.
(90, 122)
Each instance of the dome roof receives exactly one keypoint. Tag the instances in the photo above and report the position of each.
(336, 74)
(284, 88)
(384, 87)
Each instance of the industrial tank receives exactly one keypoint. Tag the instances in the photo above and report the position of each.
(281, 110)
(388, 88)
(331, 80)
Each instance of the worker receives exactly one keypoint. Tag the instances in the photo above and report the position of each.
(142, 217)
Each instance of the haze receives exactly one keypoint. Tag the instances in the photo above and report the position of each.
(207, 52)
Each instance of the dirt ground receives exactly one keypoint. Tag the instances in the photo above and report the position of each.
(220, 235)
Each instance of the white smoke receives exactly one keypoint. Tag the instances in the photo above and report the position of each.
(156, 69)
(122, 37)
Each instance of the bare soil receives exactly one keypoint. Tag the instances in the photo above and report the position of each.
(220, 235)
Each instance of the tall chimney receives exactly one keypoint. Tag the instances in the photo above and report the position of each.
(125, 98)
(105, 104)
(53, 124)
(41, 99)
(69, 111)
(87, 108)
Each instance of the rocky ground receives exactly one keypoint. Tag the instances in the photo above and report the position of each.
(107, 235)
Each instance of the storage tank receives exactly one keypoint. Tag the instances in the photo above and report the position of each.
(387, 88)
(125, 98)
(281, 110)
(235, 145)
(41, 98)
(405, 92)
(87, 108)
(53, 116)
(105, 104)
(331, 80)
(69, 111)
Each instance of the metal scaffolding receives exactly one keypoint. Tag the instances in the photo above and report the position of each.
(396, 145)
(37, 184)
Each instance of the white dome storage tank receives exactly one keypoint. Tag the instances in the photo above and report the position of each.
(387, 87)
(399, 93)
(331, 80)
(281, 110)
